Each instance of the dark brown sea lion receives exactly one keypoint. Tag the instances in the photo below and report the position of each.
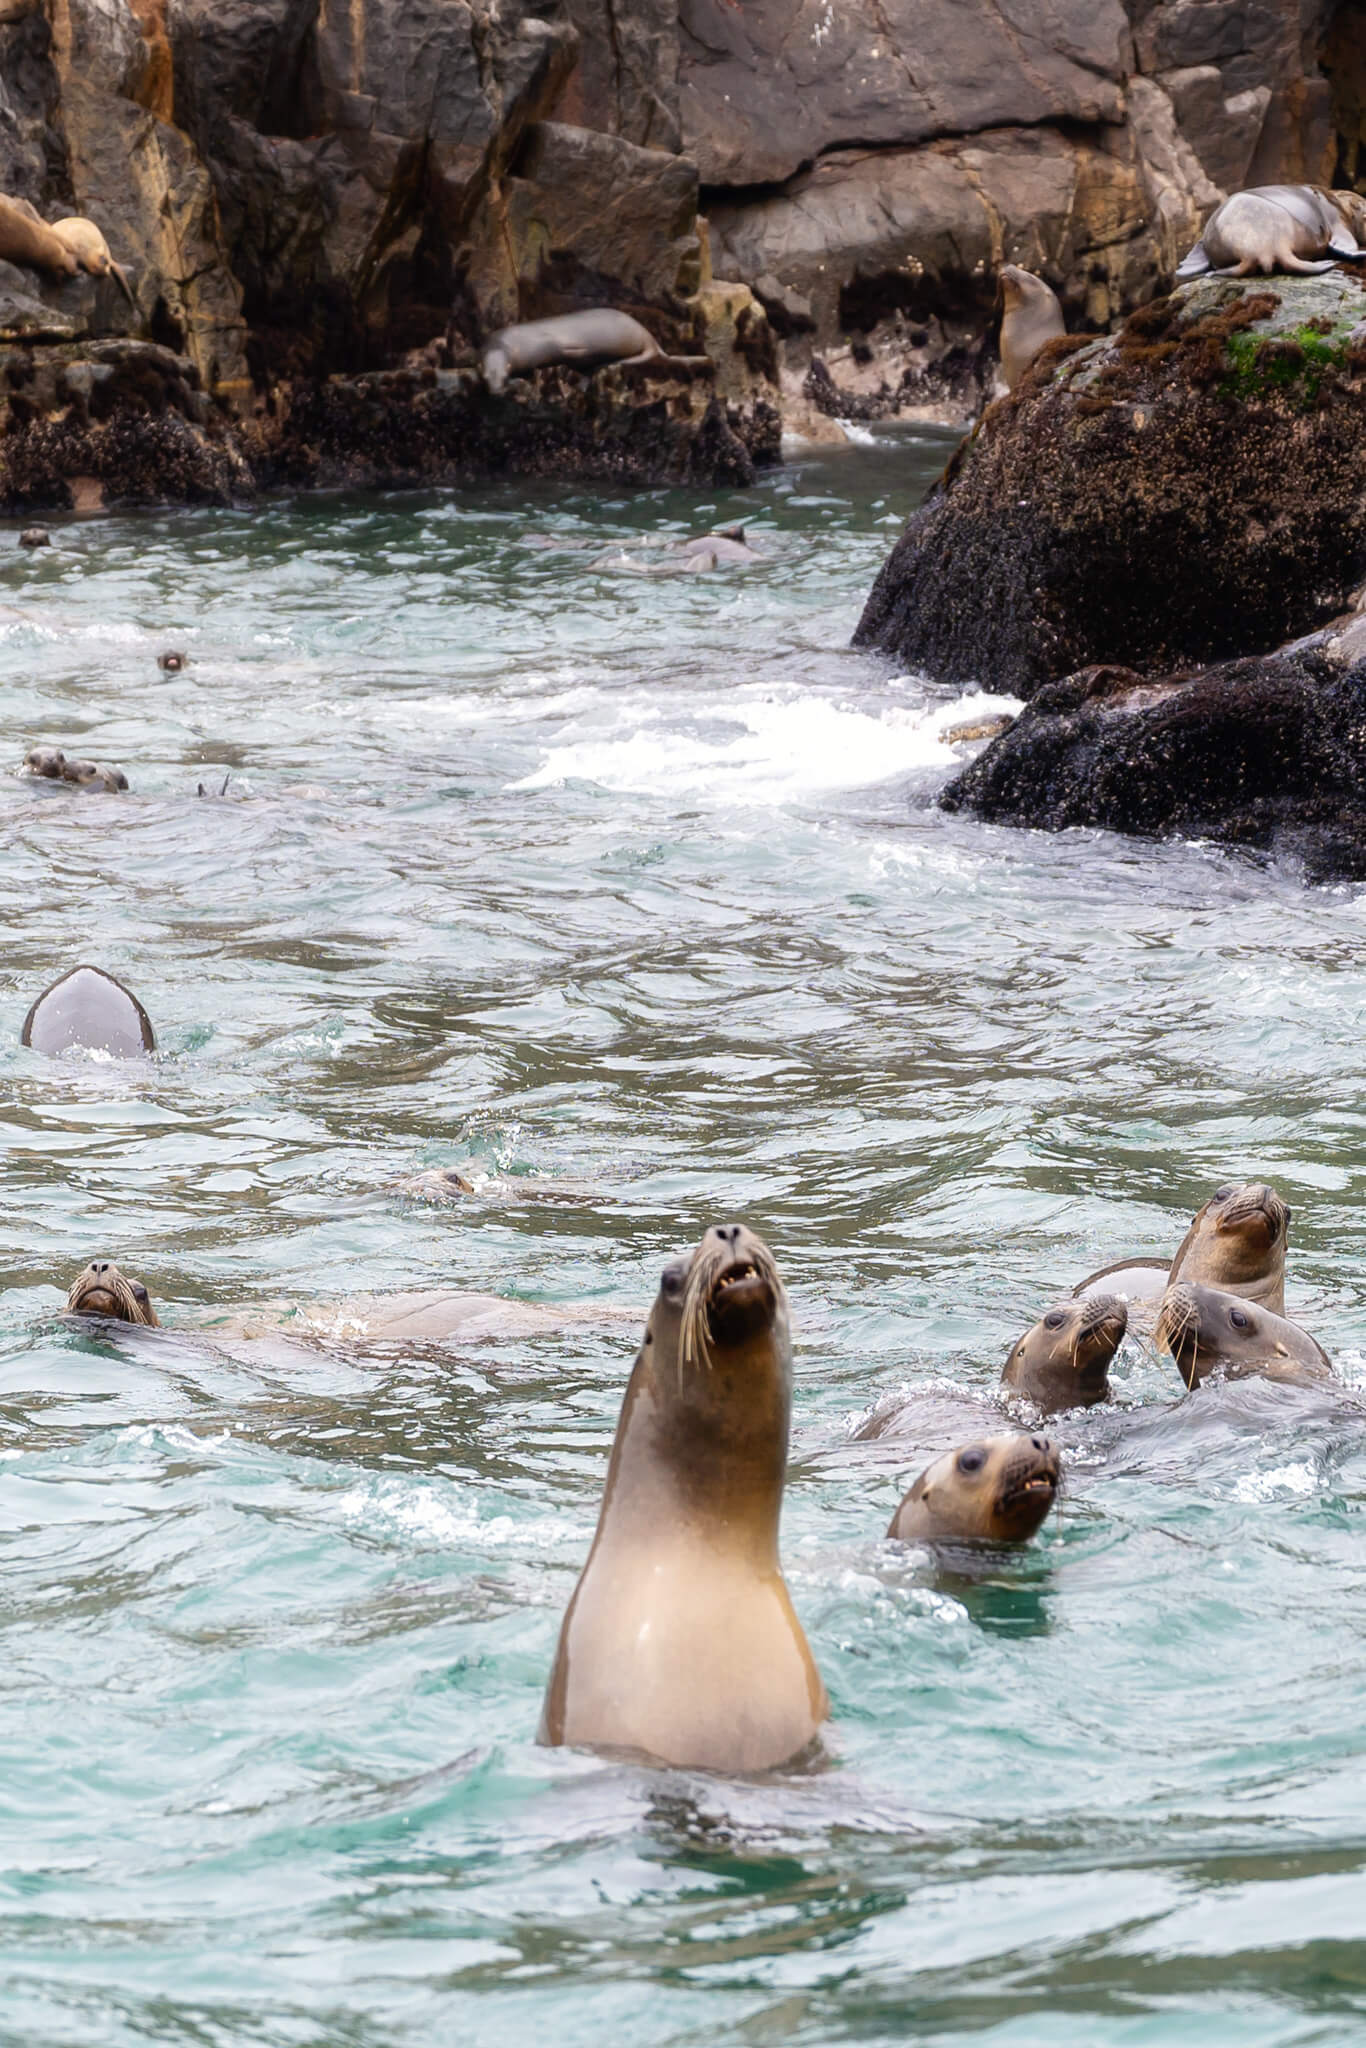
(101, 1289)
(996, 1490)
(1206, 1329)
(91, 251)
(680, 1640)
(1064, 1361)
(173, 660)
(1237, 1242)
(1032, 315)
(88, 1007)
(25, 237)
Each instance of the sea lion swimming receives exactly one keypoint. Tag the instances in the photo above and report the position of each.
(91, 251)
(1206, 1329)
(1236, 1241)
(45, 761)
(87, 1007)
(996, 1490)
(26, 238)
(1064, 1361)
(583, 340)
(101, 1289)
(680, 1640)
(94, 775)
(1296, 228)
(1031, 316)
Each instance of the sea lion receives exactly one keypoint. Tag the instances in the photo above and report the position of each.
(88, 1007)
(173, 660)
(1031, 315)
(101, 1289)
(45, 761)
(680, 1640)
(1297, 228)
(94, 775)
(437, 1184)
(90, 250)
(1064, 1361)
(584, 340)
(25, 237)
(1133, 1279)
(1205, 1328)
(35, 537)
(1237, 1242)
(996, 1490)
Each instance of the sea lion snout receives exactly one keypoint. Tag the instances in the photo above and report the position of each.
(101, 1289)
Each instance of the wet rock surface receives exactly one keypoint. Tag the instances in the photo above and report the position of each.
(1265, 753)
(1191, 489)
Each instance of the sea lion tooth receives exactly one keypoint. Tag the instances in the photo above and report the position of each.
(87, 1007)
(996, 1490)
(1031, 316)
(680, 1641)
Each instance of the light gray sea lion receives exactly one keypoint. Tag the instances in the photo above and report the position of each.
(996, 1490)
(25, 237)
(680, 1640)
(91, 251)
(1295, 228)
(94, 775)
(45, 761)
(35, 537)
(584, 340)
(101, 1289)
(87, 1007)
(1064, 1361)
(1031, 315)
(1206, 1329)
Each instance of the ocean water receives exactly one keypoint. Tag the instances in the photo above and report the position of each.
(624, 892)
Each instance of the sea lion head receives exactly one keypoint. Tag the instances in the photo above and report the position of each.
(1205, 1328)
(1020, 287)
(93, 775)
(102, 1290)
(717, 1353)
(1063, 1362)
(1237, 1241)
(995, 1490)
(48, 761)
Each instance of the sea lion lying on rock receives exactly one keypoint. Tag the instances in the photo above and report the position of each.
(583, 340)
(997, 1490)
(26, 238)
(91, 251)
(87, 1007)
(680, 1641)
(1298, 228)
(1207, 1330)
(1064, 1361)
(1031, 316)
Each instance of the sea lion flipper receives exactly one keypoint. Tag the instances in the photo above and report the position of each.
(122, 275)
(1300, 267)
(1195, 264)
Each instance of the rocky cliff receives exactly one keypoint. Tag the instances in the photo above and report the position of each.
(304, 191)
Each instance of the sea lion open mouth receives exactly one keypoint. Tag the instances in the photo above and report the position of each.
(739, 1301)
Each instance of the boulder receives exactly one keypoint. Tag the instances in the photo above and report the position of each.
(1267, 753)
(626, 82)
(1189, 489)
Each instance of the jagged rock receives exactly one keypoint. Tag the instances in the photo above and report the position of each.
(766, 90)
(627, 77)
(1190, 489)
(1267, 753)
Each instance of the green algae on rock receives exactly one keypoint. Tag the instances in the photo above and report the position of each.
(1189, 489)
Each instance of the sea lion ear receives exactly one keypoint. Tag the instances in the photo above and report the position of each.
(672, 1279)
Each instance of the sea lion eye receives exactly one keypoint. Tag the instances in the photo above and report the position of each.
(1055, 1320)
(971, 1461)
(1238, 1319)
(140, 1293)
(1222, 1194)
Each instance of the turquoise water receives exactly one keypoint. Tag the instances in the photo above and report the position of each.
(622, 892)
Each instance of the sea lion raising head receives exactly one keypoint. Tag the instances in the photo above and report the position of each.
(102, 1290)
(1031, 315)
(996, 1490)
(680, 1640)
(1064, 1361)
(1205, 1329)
(1237, 1242)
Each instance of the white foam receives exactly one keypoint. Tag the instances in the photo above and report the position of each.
(758, 748)
(1296, 1480)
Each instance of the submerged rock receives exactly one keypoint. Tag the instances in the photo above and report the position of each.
(1267, 753)
(1189, 489)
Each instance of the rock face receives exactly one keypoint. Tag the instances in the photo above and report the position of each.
(1267, 753)
(1191, 489)
(303, 191)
